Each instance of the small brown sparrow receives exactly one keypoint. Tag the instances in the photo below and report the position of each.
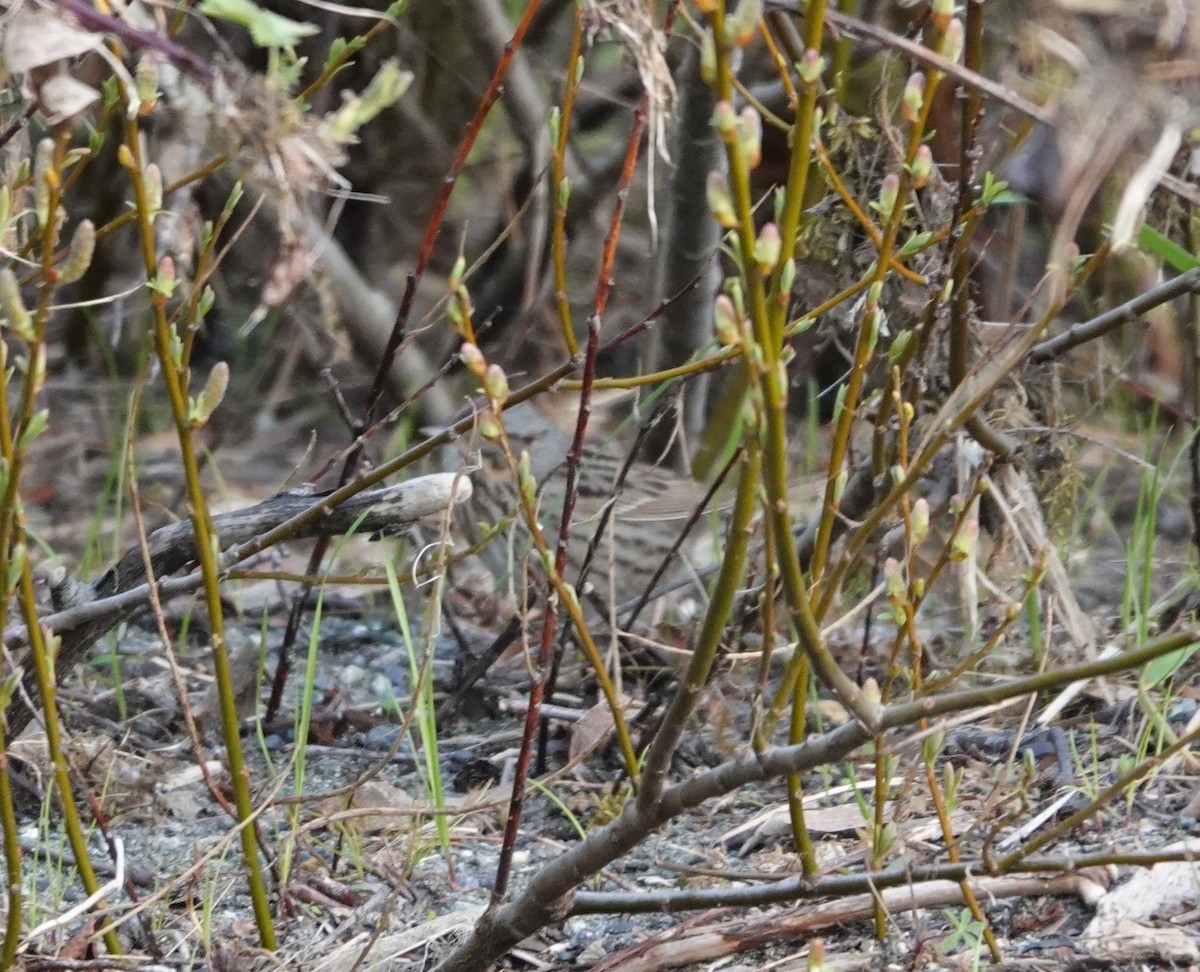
(641, 516)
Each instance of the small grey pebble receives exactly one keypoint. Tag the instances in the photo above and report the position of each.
(383, 687)
(352, 675)
(381, 737)
(397, 675)
(1182, 710)
(141, 874)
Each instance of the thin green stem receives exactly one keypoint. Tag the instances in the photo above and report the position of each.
(771, 378)
(336, 63)
(868, 332)
(795, 783)
(965, 401)
(658, 756)
(12, 852)
(41, 653)
(12, 526)
(175, 377)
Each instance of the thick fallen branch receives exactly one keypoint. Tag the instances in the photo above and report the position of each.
(675, 949)
(87, 612)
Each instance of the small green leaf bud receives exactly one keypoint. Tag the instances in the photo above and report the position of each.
(893, 580)
(965, 541)
(952, 41)
(725, 120)
(787, 279)
(454, 281)
(146, 78)
(13, 307)
(839, 404)
(570, 598)
(154, 188)
(749, 137)
(810, 67)
(235, 197)
(164, 282)
(213, 394)
(913, 99)
(741, 24)
(920, 520)
(205, 303)
(525, 481)
(720, 203)
(38, 422)
(708, 57)
(733, 287)
(922, 166)
(900, 344)
(495, 384)
(489, 426)
(44, 177)
(767, 248)
(914, 244)
(470, 355)
(725, 321)
(889, 191)
(16, 565)
(870, 691)
(79, 255)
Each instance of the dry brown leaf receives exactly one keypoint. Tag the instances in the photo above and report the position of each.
(1160, 891)
(1131, 942)
(592, 730)
(62, 98)
(35, 37)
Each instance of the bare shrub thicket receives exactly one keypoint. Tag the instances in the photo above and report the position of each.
(739, 366)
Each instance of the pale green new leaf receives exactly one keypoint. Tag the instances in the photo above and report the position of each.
(267, 29)
(384, 91)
